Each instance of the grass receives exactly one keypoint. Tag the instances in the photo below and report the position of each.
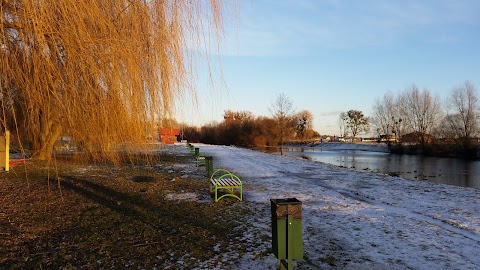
(104, 216)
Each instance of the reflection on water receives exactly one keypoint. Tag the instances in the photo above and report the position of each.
(438, 170)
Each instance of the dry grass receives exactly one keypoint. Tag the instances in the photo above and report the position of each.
(112, 217)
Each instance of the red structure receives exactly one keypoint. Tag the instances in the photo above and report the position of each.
(169, 135)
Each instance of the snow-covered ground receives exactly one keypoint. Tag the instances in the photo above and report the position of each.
(353, 219)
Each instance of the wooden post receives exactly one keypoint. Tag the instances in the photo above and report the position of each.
(5, 151)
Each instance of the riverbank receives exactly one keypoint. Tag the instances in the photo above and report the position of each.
(437, 150)
(336, 146)
(400, 149)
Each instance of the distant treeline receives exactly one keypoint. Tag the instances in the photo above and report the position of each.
(244, 129)
(418, 122)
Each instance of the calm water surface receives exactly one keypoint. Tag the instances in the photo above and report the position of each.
(450, 171)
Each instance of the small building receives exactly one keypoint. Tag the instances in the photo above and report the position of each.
(325, 138)
(388, 138)
(370, 139)
(169, 135)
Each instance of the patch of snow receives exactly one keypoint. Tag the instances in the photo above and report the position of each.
(187, 196)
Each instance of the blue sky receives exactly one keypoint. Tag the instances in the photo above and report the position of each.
(330, 56)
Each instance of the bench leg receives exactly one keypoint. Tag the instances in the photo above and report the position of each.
(229, 192)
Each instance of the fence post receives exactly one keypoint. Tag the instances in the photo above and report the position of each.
(5, 151)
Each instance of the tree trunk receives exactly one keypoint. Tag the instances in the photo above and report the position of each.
(44, 142)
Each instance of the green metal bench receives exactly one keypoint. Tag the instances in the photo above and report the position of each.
(222, 179)
(200, 160)
(191, 148)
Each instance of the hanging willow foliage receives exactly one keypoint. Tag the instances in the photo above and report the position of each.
(101, 71)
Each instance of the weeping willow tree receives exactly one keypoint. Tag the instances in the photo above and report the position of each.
(100, 71)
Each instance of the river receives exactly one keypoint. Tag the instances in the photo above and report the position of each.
(451, 171)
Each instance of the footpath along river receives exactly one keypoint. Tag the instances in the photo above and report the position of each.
(451, 171)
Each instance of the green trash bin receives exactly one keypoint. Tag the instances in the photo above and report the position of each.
(197, 151)
(209, 165)
(287, 240)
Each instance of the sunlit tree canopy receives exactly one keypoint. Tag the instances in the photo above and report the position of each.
(101, 71)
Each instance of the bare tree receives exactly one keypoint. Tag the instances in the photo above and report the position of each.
(101, 71)
(237, 116)
(387, 116)
(342, 124)
(421, 111)
(356, 122)
(304, 121)
(383, 112)
(282, 111)
(462, 121)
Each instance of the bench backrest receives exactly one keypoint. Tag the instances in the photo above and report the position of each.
(222, 173)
